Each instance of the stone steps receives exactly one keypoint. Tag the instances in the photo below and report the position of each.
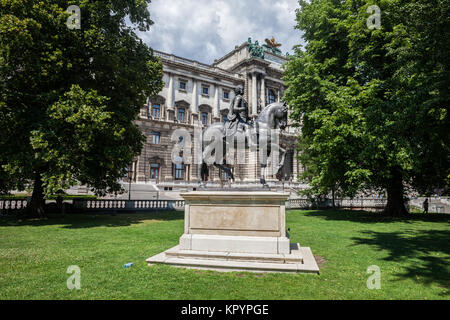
(300, 260)
(294, 257)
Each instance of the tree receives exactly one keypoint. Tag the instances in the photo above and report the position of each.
(69, 96)
(373, 102)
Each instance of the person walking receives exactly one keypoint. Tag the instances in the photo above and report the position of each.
(425, 206)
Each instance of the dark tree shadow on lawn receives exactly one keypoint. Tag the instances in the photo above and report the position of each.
(426, 251)
(372, 217)
(84, 220)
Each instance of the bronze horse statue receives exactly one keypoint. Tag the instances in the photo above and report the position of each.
(256, 134)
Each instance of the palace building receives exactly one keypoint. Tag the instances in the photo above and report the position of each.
(198, 93)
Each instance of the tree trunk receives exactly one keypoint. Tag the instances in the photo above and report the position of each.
(395, 206)
(36, 208)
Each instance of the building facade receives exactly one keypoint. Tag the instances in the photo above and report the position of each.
(199, 94)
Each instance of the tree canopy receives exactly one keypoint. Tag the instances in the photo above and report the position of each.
(373, 103)
(69, 96)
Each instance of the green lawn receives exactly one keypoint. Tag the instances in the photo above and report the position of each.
(413, 255)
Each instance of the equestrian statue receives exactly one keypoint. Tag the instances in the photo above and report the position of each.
(255, 134)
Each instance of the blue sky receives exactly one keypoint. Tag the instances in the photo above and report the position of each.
(205, 30)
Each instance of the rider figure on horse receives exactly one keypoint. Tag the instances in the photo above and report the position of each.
(237, 113)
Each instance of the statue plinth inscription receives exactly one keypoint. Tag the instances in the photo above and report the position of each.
(232, 231)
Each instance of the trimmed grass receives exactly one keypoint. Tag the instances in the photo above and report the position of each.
(413, 255)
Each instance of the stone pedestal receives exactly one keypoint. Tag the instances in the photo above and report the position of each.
(232, 231)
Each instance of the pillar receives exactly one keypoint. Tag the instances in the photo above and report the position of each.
(138, 168)
(254, 96)
(170, 91)
(168, 175)
(215, 111)
(194, 102)
(263, 93)
(295, 166)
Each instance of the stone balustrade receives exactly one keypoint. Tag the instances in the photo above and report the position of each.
(101, 205)
(12, 205)
(361, 203)
(127, 205)
(111, 205)
(193, 63)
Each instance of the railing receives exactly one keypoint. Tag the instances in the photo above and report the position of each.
(435, 205)
(363, 203)
(110, 205)
(159, 204)
(127, 205)
(193, 63)
(99, 204)
(8, 205)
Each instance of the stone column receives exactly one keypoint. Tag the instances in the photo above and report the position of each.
(193, 172)
(254, 111)
(138, 168)
(215, 111)
(263, 93)
(247, 88)
(194, 104)
(278, 95)
(170, 91)
(295, 166)
(187, 168)
(168, 176)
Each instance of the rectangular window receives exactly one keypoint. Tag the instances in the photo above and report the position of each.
(179, 172)
(154, 171)
(226, 94)
(182, 85)
(205, 118)
(155, 137)
(205, 90)
(156, 111)
(271, 96)
(181, 115)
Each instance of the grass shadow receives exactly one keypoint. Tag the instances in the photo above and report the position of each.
(373, 217)
(427, 250)
(77, 221)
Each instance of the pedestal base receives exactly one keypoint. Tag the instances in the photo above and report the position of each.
(237, 244)
(300, 259)
(237, 231)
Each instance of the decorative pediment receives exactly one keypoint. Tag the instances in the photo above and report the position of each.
(158, 99)
(156, 159)
(182, 102)
(205, 108)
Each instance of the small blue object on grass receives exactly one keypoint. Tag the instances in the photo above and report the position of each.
(128, 265)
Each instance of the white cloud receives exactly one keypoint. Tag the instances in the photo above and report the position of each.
(205, 30)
